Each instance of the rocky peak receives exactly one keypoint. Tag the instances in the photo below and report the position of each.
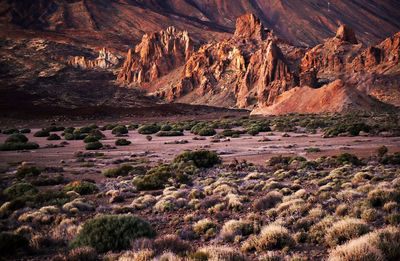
(156, 55)
(346, 34)
(105, 60)
(250, 26)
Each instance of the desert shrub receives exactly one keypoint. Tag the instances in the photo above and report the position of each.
(89, 139)
(112, 233)
(155, 178)
(171, 243)
(356, 250)
(378, 197)
(85, 253)
(230, 133)
(166, 127)
(273, 237)
(344, 230)
(94, 145)
(202, 226)
(45, 180)
(381, 151)
(75, 135)
(83, 187)
(393, 219)
(20, 189)
(149, 138)
(206, 132)
(108, 127)
(122, 142)
(200, 158)
(19, 146)
(97, 134)
(10, 131)
(11, 244)
(25, 171)
(310, 150)
(218, 253)
(391, 159)
(41, 133)
(387, 240)
(17, 138)
(53, 136)
(278, 160)
(169, 133)
(148, 129)
(268, 201)
(347, 158)
(234, 228)
(119, 171)
(26, 131)
(119, 130)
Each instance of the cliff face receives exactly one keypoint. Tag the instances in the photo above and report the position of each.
(254, 67)
(156, 55)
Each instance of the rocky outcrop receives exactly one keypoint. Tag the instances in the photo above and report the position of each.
(156, 55)
(105, 60)
(250, 26)
(346, 34)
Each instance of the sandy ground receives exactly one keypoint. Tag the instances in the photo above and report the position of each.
(245, 147)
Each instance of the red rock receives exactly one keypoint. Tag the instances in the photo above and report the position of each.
(346, 34)
(250, 26)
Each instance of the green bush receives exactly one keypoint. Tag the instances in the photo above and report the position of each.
(112, 233)
(26, 131)
(10, 131)
(148, 129)
(18, 146)
(83, 188)
(347, 158)
(169, 133)
(391, 159)
(11, 244)
(200, 158)
(166, 127)
(54, 137)
(94, 145)
(97, 134)
(54, 128)
(41, 133)
(207, 132)
(122, 142)
(119, 171)
(119, 130)
(231, 133)
(75, 135)
(17, 138)
(155, 178)
(24, 172)
(89, 139)
(20, 189)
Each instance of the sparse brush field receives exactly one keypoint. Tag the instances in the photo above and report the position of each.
(294, 187)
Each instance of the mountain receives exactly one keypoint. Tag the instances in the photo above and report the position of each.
(256, 70)
(120, 23)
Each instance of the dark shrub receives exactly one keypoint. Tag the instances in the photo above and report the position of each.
(166, 127)
(85, 129)
(207, 132)
(112, 233)
(347, 158)
(278, 160)
(169, 133)
(69, 130)
(54, 137)
(94, 145)
(120, 171)
(171, 243)
(155, 178)
(122, 142)
(253, 131)
(119, 130)
(382, 151)
(268, 201)
(201, 158)
(149, 138)
(83, 188)
(231, 133)
(379, 197)
(18, 146)
(26, 131)
(97, 134)
(148, 129)
(393, 219)
(20, 189)
(11, 244)
(17, 138)
(391, 159)
(24, 172)
(89, 139)
(41, 133)
(10, 131)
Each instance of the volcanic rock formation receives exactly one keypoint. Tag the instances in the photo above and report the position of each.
(105, 60)
(155, 56)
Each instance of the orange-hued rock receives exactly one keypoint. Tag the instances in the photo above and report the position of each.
(156, 55)
(346, 34)
(105, 60)
(334, 97)
(250, 26)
